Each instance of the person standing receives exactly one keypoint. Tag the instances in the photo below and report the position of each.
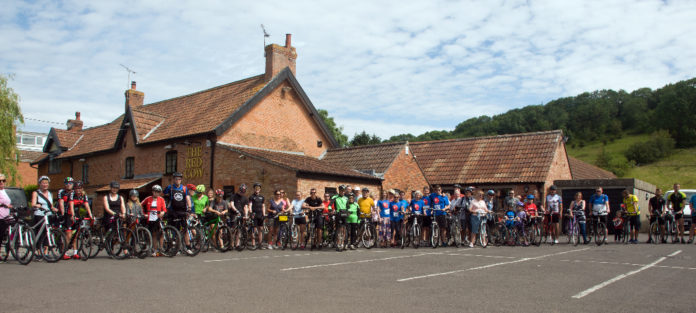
(493, 208)
(78, 206)
(240, 201)
(384, 220)
(5, 206)
(114, 206)
(257, 205)
(677, 200)
(478, 209)
(577, 210)
(657, 210)
(367, 205)
(155, 207)
(440, 205)
(352, 219)
(200, 201)
(427, 221)
(630, 202)
(179, 200)
(298, 208)
(316, 207)
(600, 207)
(692, 203)
(553, 207)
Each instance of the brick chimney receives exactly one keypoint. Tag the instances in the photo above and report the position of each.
(279, 57)
(76, 124)
(134, 98)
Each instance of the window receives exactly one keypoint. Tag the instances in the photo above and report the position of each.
(19, 139)
(330, 190)
(170, 162)
(85, 173)
(54, 166)
(28, 140)
(129, 167)
(39, 141)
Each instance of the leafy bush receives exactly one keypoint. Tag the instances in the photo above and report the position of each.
(657, 147)
(28, 190)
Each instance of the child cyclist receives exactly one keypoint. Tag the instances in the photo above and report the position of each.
(618, 225)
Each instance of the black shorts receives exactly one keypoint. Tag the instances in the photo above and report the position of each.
(300, 220)
(427, 222)
(693, 219)
(555, 218)
(602, 218)
(441, 220)
(69, 223)
(258, 220)
(660, 219)
(635, 222)
(318, 221)
(678, 216)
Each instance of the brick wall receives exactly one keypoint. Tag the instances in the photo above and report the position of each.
(404, 174)
(560, 168)
(279, 122)
(27, 174)
(305, 184)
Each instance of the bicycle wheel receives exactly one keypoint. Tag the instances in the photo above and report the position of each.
(120, 243)
(341, 237)
(22, 246)
(416, 232)
(569, 232)
(52, 247)
(576, 233)
(654, 233)
(434, 235)
(510, 235)
(171, 241)
(283, 235)
(84, 244)
(143, 244)
(222, 238)
(195, 237)
(483, 235)
(626, 233)
(368, 236)
(5, 248)
(294, 236)
(600, 234)
(97, 242)
(457, 234)
(251, 236)
(674, 231)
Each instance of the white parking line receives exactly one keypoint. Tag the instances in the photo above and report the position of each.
(488, 266)
(356, 262)
(622, 276)
(483, 256)
(261, 257)
(629, 264)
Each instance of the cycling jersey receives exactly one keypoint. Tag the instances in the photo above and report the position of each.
(531, 209)
(395, 211)
(199, 204)
(79, 201)
(256, 202)
(296, 206)
(426, 205)
(366, 205)
(439, 202)
(677, 201)
(578, 211)
(417, 206)
(114, 205)
(340, 202)
(598, 203)
(177, 198)
(554, 203)
(239, 201)
(618, 223)
(657, 205)
(384, 209)
(327, 206)
(631, 204)
(65, 195)
(313, 202)
(353, 211)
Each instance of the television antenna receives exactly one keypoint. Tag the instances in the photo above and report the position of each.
(265, 35)
(129, 74)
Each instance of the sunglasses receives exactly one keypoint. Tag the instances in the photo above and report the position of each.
(3, 180)
(277, 194)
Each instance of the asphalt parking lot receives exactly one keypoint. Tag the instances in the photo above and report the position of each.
(619, 278)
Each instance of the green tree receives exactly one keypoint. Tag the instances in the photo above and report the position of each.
(401, 137)
(336, 131)
(676, 112)
(363, 139)
(10, 116)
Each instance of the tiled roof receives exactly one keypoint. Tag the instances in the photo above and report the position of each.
(374, 157)
(196, 113)
(297, 162)
(67, 138)
(127, 184)
(96, 139)
(29, 156)
(497, 159)
(582, 170)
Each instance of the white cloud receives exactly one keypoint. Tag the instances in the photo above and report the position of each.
(415, 66)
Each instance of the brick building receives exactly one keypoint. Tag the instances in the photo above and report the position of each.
(260, 129)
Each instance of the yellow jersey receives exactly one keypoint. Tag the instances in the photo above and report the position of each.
(366, 205)
(631, 204)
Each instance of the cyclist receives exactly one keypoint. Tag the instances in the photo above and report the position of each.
(200, 201)
(577, 209)
(692, 203)
(493, 208)
(416, 208)
(352, 219)
(191, 192)
(630, 202)
(600, 207)
(657, 206)
(42, 202)
(275, 206)
(155, 208)
(385, 220)
(114, 206)
(78, 205)
(530, 207)
(298, 208)
(179, 204)
(676, 202)
(402, 207)
(427, 222)
(64, 196)
(618, 222)
(553, 207)
(477, 207)
(217, 208)
(315, 207)
(240, 201)
(441, 203)
(462, 204)
(133, 206)
(5, 206)
(257, 205)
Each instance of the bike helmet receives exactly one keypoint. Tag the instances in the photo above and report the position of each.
(469, 189)
(242, 187)
(530, 197)
(78, 184)
(491, 192)
(219, 192)
(68, 180)
(457, 186)
(257, 185)
(157, 188)
(342, 187)
(178, 174)
(200, 188)
(133, 193)
(190, 187)
(44, 178)
(553, 187)
(115, 184)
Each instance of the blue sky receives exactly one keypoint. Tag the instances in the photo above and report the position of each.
(387, 67)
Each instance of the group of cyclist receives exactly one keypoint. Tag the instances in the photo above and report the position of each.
(393, 211)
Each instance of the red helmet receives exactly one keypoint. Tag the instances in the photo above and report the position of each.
(219, 192)
(191, 187)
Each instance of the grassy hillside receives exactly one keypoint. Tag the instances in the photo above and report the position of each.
(679, 167)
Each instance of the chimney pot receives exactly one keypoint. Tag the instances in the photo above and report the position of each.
(133, 85)
(288, 40)
(77, 116)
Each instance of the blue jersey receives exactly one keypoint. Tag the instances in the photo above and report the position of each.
(417, 206)
(510, 215)
(395, 211)
(693, 204)
(426, 206)
(439, 202)
(595, 199)
(403, 205)
(384, 210)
